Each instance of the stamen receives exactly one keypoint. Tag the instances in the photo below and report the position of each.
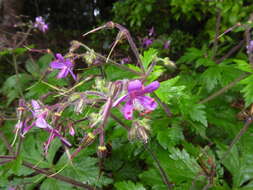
(102, 148)
(57, 114)
(21, 108)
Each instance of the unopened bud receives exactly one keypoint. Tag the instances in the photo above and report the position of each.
(74, 46)
(90, 57)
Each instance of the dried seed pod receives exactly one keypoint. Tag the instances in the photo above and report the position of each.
(102, 151)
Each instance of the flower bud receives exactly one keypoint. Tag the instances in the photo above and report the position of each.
(89, 57)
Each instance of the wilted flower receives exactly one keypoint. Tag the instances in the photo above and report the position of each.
(136, 99)
(40, 24)
(250, 47)
(65, 65)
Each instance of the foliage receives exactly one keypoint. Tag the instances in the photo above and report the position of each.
(198, 137)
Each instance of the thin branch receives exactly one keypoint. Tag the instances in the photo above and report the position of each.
(57, 176)
(163, 105)
(6, 143)
(231, 51)
(161, 170)
(237, 138)
(223, 90)
(111, 61)
(217, 31)
(120, 122)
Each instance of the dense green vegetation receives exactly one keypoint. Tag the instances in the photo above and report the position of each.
(195, 134)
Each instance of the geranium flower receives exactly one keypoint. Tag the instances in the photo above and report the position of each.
(40, 24)
(147, 42)
(136, 99)
(64, 65)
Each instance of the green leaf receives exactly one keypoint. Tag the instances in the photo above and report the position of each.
(157, 72)
(197, 113)
(168, 90)
(148, 57)
(211, 77)
(115, 73)
(248, 90)
(53, 184)
(14, 84)
(128, 185)
(243, 65)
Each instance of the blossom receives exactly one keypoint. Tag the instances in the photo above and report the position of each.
(151, 31)
(136, 99)
(125, 60)
(40, 24)
(250, 47)
(147, 42)
(167, 44)
(64, 65)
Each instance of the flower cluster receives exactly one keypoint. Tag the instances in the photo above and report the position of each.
(40, 24)
(38, 119)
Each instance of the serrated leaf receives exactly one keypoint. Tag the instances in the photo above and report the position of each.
(191, 55)
(157, 72)
(53, 184)
(197, 113)
(128, 185)
(211, 77)
(10, 88)
(243, 65)
(148, 57)
(169, 90)
(248, 90)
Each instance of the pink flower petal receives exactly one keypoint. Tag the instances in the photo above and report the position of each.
(128, 110)
(151, 87)
(135, 85)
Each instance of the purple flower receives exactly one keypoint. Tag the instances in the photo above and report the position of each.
(147, 42)
(64, 65)
(250, 47)
(40, 24)
(40, 115)
(151, 31)
(136, 99)
(167, 44)
(125, 60)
